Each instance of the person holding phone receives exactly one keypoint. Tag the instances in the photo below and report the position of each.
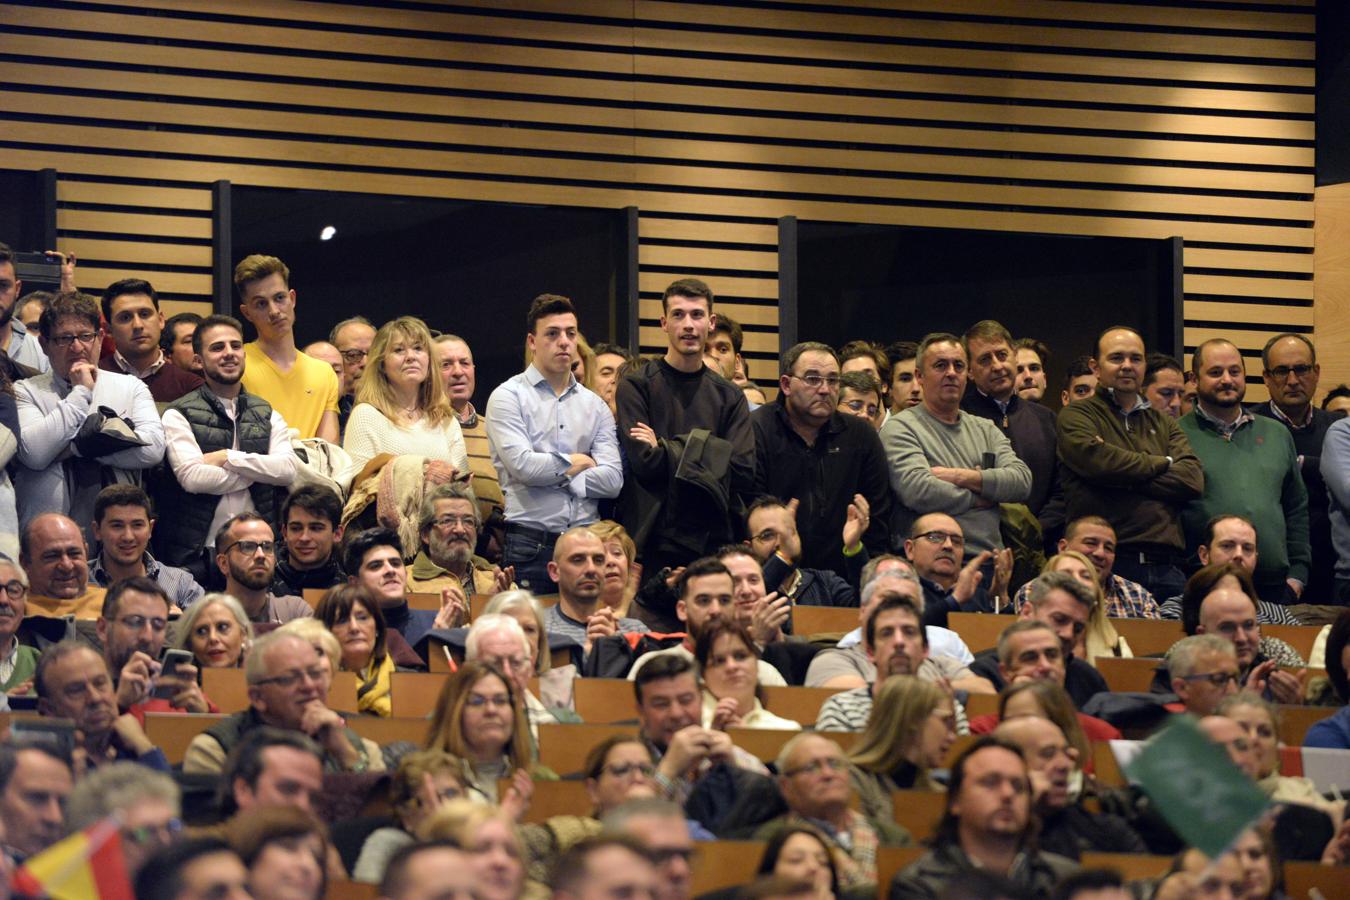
(73, 683)
(133, 628)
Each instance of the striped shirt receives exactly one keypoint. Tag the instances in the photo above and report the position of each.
(850, 710)
(1266, 613)
(486, 487)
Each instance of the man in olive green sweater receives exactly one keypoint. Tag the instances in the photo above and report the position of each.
(1251, 470)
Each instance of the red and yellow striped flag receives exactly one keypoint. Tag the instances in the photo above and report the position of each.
(88, 864)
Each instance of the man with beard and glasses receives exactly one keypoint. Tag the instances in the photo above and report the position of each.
(311, 520)
(72, 682)
(246, 554)
(374, 560)
(64, 460)
(229, 451)
(449, 530)
(1251, 470)
(133, 628)
(21, 346)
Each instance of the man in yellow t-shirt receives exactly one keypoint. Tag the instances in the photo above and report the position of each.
(302, 389)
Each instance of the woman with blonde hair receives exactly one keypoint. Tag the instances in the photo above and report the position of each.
(401, 405)
(479, 719)
(620, 583)
(216, 631)
(1100, 637)
(424, 782)
(912, 726)
(488, 835)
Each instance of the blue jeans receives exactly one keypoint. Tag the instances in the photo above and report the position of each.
(530, 555)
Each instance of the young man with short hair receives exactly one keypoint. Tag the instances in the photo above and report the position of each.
(229, 450)
(131, 309)
(302, 389)
(124, 523)
(176, 341)
(20, 345)
(374, 559)
(311, 526)
(553, 445)
(664, 405)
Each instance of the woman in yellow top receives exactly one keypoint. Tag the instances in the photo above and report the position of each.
(354, 618)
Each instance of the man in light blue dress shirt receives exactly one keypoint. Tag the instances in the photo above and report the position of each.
(553, 444)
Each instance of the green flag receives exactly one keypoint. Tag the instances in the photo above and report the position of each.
(1206, 799)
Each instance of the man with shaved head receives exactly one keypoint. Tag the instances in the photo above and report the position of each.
(1251, 470)
(1126, 461)
(1067, 828)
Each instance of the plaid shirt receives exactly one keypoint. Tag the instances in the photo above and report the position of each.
(1125, 599)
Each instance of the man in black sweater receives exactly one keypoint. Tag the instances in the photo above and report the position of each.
(685, 492)
(311, 521)
(1291, 372)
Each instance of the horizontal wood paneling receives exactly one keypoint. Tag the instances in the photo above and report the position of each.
(714, 119)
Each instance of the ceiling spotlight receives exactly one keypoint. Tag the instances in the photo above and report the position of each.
(327, 233)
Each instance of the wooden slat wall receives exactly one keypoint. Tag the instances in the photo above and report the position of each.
(1191, 118)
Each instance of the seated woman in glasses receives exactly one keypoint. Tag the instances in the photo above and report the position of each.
(423, 782)
(401, 406)
(354, 618)
(618, 769)
(12, 608)
(728, 662)
(480, 719)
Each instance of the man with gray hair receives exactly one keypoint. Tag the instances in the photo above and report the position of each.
(661, 827)
(852, 666)
(1062, 604)
(146, 803)
(448, 527)
(1203, 670)
(498, 639)
(18, 661)
(287, 688)
(352, 338)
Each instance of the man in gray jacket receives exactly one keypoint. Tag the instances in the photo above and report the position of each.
(945, 460)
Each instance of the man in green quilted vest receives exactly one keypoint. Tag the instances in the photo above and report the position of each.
(229, 451)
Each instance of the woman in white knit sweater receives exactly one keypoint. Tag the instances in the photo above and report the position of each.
(401, 405)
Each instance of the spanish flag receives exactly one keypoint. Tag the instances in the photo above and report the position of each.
(88, 864)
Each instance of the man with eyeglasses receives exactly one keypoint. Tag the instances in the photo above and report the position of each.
(944, 460)
(813, 776)
(449, 527)
(132, 629)
(147, 805)
(352, 338)
(287, 689)
(229, 450)
(73, 682)
(1062, 604)
(1291, 373)
(1251, 469)
(987, 825)
(1028, 426)
(61, 413)
(861, 396)
(829, 464)
(54, 554)
(776, 545)
(936, 547)
(1203, 669)
(1067, 827)
(246, 554)
(498, 639)
(661, 827)
(18, 661)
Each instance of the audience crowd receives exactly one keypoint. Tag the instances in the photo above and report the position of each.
(189, 507)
